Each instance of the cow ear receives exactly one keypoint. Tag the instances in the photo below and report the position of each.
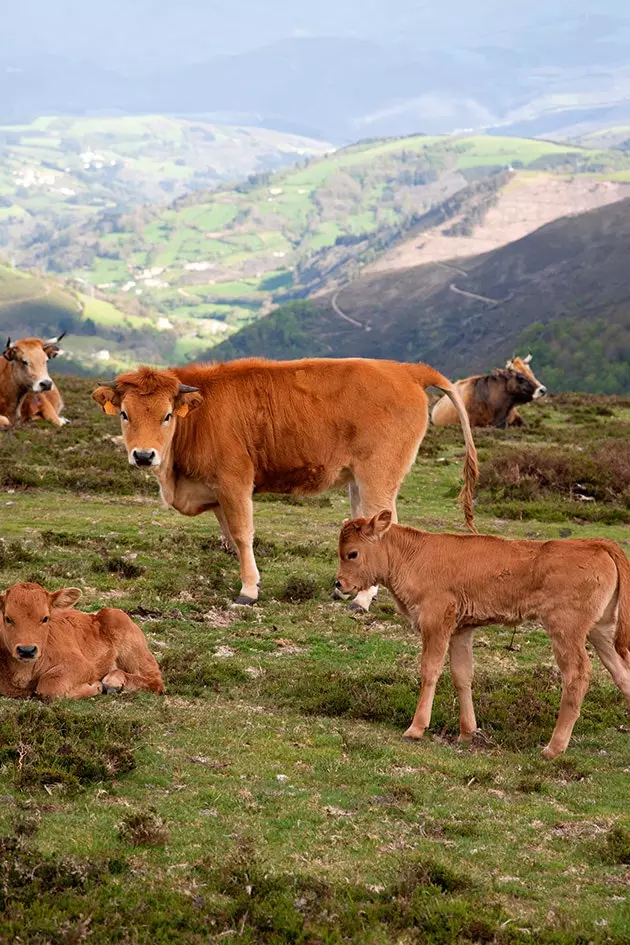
(108, 398)
(51, 350)
(2, 602)
(66, 597)
(188, 398)
(376, 527)
(10, 352)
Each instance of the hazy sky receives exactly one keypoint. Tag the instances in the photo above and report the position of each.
(135, 33)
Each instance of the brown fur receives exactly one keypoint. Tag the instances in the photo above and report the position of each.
(447, 585)
(489, 399)
(21, 395)
(78, 655)
(289, 427)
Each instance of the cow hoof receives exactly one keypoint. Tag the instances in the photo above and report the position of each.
(64, 421)
(413, 734)
(244, 601)
(550, 753)
(110, 690)
(355, 608)
(339, 595)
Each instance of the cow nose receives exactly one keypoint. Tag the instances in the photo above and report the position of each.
(143, 457)
(45, 385)
(26, 652)
(542, 390)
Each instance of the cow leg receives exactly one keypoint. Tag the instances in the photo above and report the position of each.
(49, 689)
(227, 542)
(573, 662)
(436, 629)
(462, 667)
(369, 502)
(49, 413)
(602, 636)
(238, 510)
(4, 421)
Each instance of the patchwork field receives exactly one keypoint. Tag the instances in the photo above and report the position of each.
(269, 797)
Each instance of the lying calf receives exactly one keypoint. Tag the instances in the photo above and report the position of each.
(447, 585)
(49, 650)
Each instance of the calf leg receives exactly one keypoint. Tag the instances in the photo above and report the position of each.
(436, 631)
(59, 688)
(462, 667)
(572, 658)
(238, 510)
(602, 636)
(49, 413)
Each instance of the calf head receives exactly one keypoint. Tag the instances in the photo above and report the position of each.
(362, 556)
(29, 360)
(149, 403)
(522, 366)
(25, 618)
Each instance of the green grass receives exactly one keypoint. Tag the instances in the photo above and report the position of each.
(269, 796)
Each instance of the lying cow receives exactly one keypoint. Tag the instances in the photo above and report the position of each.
(279, 426)
(49, 650)
(491, 399)
(27, 391)
(447, 585)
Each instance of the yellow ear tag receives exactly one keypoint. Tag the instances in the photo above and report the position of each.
(109, 408)
(182, 411)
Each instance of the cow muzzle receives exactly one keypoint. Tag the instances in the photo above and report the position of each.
(540, 392)
(26, 653)
(144, 458)
(44, 384)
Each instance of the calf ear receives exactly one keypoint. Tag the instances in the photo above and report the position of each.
(66, 597)
(376, 527)
(108, 398)
(188, 398)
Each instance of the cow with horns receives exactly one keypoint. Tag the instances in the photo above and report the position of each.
(27, 392)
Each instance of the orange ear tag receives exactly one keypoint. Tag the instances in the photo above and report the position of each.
(182, 411)
(109, 408)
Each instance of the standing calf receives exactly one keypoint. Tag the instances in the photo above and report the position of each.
(49, 650)
(447, 585)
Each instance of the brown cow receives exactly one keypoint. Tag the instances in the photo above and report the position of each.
(26, 389)
(278, 426)
(447, 585)
(490, 398)
(49, 650)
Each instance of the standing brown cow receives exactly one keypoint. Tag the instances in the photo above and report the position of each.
(447, 585)
(27, 391)
(50, 650)
(279, 426)
(490, 399)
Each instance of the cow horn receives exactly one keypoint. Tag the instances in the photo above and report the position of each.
(8, 344)
(187, 389)
(55, 341)
(527, 359)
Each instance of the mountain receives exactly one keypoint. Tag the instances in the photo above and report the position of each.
(562, 292)
(336, 71)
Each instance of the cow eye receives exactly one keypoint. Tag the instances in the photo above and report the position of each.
(8, 621)
(24, 362)
(353, 554)
(44, 619)
(124, 416)
(167, 418)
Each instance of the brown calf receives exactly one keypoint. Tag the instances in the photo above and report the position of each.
(215, 434)
(49, 650)
(447, 585)
(491, 399)
(27, 391)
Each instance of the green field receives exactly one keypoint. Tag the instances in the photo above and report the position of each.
(269, 796)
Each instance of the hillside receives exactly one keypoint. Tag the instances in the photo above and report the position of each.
(562, 292)
(226, 257)
(58, 171)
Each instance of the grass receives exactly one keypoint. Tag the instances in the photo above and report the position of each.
(269, 796)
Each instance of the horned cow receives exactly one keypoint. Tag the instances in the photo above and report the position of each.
(50, 650)
(215, 434)
(27, 391)
(447, 585)
(491, 399)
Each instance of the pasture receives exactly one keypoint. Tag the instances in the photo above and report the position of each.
(269, 797)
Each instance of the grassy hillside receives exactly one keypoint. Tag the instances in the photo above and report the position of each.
(59, 171)
(562, 292)
(230, 255)
(269, 797)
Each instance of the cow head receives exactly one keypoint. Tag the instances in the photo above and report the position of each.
(519, 386)
(522, 366)
(25, 611)
(29, 360)
(362, 557)
(150, 403)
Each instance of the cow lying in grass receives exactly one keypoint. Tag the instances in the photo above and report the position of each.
(27, 391)
(447, 585)
(49, 650)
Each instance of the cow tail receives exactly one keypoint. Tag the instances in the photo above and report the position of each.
(622, 632)
(432, 378)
